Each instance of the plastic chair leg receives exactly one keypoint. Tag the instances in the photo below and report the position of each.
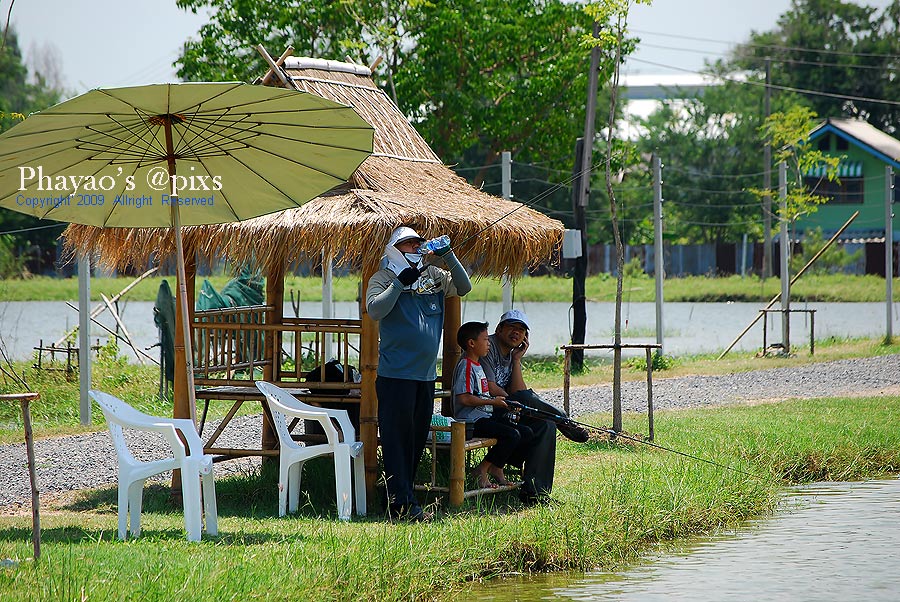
(284, 483)
(134, 505)
(210, 508)
(123, 510)
(342, 480)
(190, 492)
(359, 484)
(294, 476)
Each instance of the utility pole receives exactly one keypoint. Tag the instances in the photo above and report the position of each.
(506, 191)
(767, 185)
(84, 337)
(785, 254)
(584, 160)
(658, 267)
(579, 310)
(889, 249)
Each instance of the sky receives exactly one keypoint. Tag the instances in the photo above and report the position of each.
(130, 42)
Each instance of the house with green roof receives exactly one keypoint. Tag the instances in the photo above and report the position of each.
(865, 152)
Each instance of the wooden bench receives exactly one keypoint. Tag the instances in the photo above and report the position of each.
(458, 448)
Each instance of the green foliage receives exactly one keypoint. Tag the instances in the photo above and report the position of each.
(634, 268)
(835, 259)
(843, 48)
(658, 362)
(11, 264)
(788, 133)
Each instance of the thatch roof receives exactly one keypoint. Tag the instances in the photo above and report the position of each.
(402, 183)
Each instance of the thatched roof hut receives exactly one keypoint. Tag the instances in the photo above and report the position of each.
(403, 182)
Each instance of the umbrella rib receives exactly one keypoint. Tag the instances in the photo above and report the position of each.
(310, 142)
(207, 128)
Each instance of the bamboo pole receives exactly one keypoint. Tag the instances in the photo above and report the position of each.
(99, 309)
(793, 280)
(115, 315)
(368, 406)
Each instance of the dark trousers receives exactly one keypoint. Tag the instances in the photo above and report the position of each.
(510, 437)
(539, 456)
(404, 416)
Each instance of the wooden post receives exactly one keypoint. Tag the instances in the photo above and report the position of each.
(24, 399)
(567, 367)
(650, 390)
(275, 316)
(812, 332)
(368, 403)
(452, 317)
(457, 463)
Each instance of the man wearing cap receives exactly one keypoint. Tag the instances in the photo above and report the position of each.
(407, 298)
(503, 368)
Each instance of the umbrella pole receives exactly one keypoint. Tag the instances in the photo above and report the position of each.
(186, 349)
(185, 313)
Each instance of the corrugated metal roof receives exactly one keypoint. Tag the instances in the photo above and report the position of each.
(862, 134)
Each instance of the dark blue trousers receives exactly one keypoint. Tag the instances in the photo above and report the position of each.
(510, 437)
(404, 416)
(538, 457)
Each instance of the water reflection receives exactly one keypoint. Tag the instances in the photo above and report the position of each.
(831, 541)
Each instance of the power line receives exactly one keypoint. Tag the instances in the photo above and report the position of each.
(776, 87)
(772, 46)
(882, 68)
(63, 225)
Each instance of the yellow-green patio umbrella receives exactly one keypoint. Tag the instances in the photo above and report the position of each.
(179, 154)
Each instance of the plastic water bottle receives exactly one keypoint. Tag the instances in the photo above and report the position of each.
(435, 244)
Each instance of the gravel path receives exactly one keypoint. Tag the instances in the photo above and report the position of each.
(84, 461)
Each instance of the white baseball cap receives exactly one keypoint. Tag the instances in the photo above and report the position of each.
(402, 234)
(515, 315)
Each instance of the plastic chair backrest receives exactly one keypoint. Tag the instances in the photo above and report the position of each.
(286, 404)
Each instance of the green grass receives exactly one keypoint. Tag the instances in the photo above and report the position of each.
(612, 503)
(835, 287)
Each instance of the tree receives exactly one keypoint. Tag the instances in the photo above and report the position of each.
(789, 133)
(18, 97)
(710, 146)
(475, 77)
(614, 43)
(846, 54)
(226, 51)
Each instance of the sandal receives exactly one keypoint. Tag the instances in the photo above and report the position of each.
(502, 481)
(483, 480)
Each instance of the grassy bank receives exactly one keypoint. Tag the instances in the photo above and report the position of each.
(836, 287)
(611, 502)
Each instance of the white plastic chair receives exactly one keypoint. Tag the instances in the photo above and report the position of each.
(195, 466)
(292, 455)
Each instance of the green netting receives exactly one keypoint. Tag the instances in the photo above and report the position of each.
(245, 290)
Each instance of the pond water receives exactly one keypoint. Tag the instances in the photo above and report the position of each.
(830, 541)
(689, 327)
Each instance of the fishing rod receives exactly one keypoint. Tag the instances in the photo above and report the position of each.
(575, 176)
(565, 420)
